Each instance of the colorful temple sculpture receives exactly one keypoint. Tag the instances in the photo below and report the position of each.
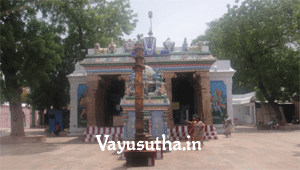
(156, 105)
(178, 82)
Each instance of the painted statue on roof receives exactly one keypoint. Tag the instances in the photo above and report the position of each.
(199, 47)
(169, 45)
(112, 46)
(99, 50)
(185, 45)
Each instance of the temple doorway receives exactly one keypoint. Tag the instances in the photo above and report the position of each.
(112, 96)
(183, 97)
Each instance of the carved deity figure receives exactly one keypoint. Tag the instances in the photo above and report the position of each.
(185, 45)
(112, 46)
(99, 50)
(169, 45)
(162, 90)
(127, 90)
(198, 47)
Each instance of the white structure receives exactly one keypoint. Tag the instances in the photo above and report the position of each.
(76, 78)
(244, 108)
(222, 71)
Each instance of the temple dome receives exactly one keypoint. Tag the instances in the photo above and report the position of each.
(149, 71)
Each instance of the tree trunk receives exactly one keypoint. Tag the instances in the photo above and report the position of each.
(15, 107)
(280, 115)
(271, 101)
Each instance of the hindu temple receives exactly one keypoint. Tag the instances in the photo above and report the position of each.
(178, 83)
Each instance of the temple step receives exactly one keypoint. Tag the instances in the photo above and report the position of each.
(179, 133)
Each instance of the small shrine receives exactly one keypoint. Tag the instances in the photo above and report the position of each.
(156, 105)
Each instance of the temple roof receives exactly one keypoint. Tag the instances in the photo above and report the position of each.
(122, 61)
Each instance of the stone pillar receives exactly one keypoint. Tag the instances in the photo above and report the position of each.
(228, 83)
(168, 80)
(139, 93)
(92, 85)
(204, 84)
(197, 89)
(101, 116)
(150, 126)
(74, 83)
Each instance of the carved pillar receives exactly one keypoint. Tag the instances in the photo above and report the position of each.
(168, 80)
(139, 93)
(92, 84)
(197, 89)
(204, 84)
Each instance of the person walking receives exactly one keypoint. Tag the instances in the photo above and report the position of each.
(196, 131)
(227, 125)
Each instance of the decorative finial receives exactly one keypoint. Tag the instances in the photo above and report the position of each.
(150, 29)
(138, 37)
(150, 14)
(185, 45)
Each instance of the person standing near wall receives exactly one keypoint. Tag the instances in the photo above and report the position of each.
(227, 125)
(57, 129)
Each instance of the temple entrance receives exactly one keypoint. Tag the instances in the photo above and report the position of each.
(112, 96)
(184, 97)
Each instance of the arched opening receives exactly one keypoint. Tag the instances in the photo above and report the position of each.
(183, 95)
(112, 97)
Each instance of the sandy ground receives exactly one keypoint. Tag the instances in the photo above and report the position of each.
(248, 148)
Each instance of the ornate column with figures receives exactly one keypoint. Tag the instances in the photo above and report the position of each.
(138, 68)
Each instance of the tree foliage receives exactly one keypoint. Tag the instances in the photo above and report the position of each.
(28, 53)
(262, 41)
(86, 22)
(81, 24)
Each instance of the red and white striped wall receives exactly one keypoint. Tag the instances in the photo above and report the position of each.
(115, 133)
(178, 133)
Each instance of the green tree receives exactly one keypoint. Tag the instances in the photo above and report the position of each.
(82, 23)
(28, 53)
(87, 22)
(260, 39)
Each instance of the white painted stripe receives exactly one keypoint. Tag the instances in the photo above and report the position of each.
(112, 130)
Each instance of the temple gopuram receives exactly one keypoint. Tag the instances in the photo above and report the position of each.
(178, 83)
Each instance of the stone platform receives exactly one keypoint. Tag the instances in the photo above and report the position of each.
(140, 158)
(290, 127)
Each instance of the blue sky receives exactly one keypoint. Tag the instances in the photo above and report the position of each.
(176, 19)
